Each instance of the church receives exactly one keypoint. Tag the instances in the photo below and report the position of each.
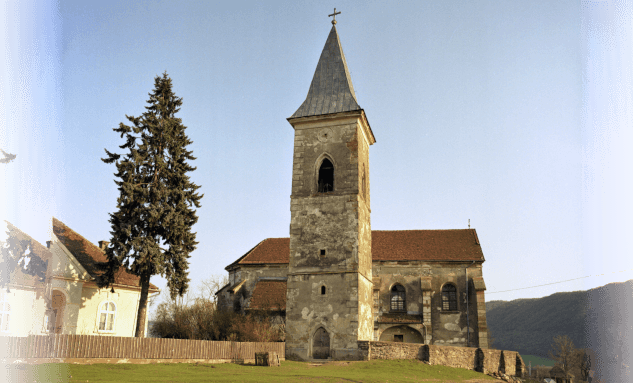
(336, 281)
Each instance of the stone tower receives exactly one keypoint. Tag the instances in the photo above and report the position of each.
(329, 296)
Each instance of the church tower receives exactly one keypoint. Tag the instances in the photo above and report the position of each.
(329, 296)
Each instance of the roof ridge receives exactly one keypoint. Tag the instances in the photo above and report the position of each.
(82, 237)
(247, 253)
(92, 269)
(11, 226)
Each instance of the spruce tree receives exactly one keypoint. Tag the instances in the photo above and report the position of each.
(152, 226)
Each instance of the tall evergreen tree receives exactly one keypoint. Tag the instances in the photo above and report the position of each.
(152, 227)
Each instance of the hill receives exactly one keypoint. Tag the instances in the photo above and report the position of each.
(529, 325)
(598, 319)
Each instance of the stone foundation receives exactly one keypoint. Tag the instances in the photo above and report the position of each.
(477, 359)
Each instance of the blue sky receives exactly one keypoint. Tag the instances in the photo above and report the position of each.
(515, 115)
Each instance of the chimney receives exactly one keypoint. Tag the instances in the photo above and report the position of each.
(103, 245)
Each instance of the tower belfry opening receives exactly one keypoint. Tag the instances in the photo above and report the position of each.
(326, 177)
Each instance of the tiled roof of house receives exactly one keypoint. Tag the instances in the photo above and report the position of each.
(89, 255)
(399, 245)
(39, 261)
(331, 90)
(269, 295)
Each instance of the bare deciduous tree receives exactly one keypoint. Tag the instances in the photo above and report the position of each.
(564, 352)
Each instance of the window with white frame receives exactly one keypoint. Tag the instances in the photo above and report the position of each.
(107, 315)
(5, 313)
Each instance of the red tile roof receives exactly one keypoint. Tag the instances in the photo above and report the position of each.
(399, 245)
(426, 245)
(39, 262)
(89, 255)
(270, 250)
(269, 295)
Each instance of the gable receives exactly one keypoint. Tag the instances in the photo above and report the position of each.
(64, 263)
(90, 256)
(39, 262)
(396, 245)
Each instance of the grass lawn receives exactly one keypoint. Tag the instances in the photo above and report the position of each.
(373, 371)
(537, 361)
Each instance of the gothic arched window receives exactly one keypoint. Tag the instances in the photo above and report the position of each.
(449, 297)
(398, 298)
(326, 177)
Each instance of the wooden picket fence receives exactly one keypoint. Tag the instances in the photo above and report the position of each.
(111, 347)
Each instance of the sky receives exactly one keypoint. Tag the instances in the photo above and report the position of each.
(514, 115)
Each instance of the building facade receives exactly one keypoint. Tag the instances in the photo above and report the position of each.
(344, 282)
(64, 298)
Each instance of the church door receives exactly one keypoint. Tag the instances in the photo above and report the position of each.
(321, 344)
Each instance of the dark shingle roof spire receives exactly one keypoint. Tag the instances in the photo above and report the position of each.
(331, 90)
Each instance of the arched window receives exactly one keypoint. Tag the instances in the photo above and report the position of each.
(449, 297)
(398, 297)
(326, 177)
(322, 290)
(107, 315)
(5, 312)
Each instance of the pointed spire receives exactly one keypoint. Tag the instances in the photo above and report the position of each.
(331, 90)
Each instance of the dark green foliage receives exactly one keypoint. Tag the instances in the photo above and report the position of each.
(529, 325)
(152, 226)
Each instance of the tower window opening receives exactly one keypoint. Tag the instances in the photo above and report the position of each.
(322, 252)
(326, 177)
(322, 290)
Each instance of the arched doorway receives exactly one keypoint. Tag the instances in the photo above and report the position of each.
(403, 333)
(58, 303)
(321, 344)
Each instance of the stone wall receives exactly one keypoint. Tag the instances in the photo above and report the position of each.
(477, 359)
(459, 357)
(329, 271)
(446, 328)
(251, 274)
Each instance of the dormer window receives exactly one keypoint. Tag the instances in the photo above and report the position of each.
(326, 177)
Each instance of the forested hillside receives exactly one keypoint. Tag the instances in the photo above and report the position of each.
(598, 319)
(529, 325)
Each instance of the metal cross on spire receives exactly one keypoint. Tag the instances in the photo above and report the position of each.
(333, 15)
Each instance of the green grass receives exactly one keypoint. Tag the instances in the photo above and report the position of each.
(373, 371)
(537, 361)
